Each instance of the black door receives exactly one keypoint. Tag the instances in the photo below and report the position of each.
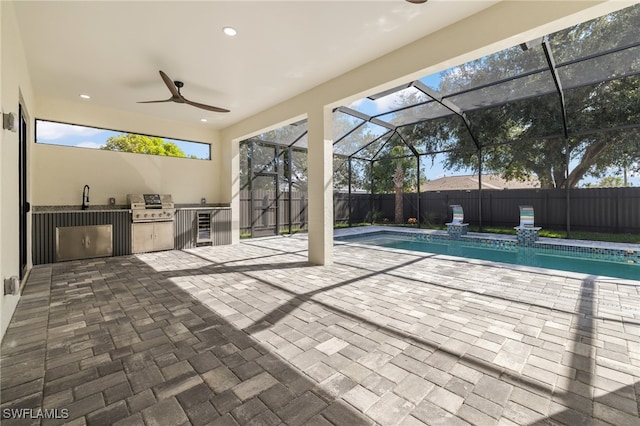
(22, 191)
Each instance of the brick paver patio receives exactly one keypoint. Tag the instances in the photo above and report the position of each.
(252, 334)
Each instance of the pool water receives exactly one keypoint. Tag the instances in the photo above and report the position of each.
(528, 256)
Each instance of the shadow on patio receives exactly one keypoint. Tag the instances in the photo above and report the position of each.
(114, 340)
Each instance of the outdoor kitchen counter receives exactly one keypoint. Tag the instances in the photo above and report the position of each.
(57, 209)
(46, 219)
(190, 217)
(202, 207)
(108, 208)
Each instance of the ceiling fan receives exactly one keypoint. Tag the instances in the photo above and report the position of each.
(176, 96)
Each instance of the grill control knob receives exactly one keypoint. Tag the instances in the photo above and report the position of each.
(145, 215)
(153, 215)
(137, 214)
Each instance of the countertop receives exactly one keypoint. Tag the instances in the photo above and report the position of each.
(203, 207)
(116, 208)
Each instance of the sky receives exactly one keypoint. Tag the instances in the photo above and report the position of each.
(53, 133)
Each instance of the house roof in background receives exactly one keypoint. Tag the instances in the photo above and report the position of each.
(470, 182)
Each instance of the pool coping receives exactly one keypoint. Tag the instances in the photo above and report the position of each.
(345, 232)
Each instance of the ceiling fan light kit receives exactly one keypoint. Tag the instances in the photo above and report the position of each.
(174, 87)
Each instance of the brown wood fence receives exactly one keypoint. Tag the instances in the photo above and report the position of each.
(615, 210)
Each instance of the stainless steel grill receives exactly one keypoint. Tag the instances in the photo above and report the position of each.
(151, 207)
(152, 226)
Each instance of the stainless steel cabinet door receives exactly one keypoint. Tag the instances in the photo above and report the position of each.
(142, 237)
(83, 242)
(163, 236)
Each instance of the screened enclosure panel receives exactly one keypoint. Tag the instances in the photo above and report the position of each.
(442, 171)
(532, 85)
(302, 141)
(603, 106)
(519, 120)
(340, 173)
(614, 155)
(358, 138)
(601, 68)
(344, 124)
(392, 101)
(395, 147)
(244, 165)
(438, 135)
(491, 69)
(421, 112)
(298, 170)
(599, 35)
(285, 135)
(372, 149)
(264, 158)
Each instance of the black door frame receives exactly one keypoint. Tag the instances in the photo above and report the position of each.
(23, 203)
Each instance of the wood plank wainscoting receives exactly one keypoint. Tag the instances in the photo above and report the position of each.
(187, 226)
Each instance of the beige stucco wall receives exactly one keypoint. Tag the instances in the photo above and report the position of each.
(59, 173)
(14, 84)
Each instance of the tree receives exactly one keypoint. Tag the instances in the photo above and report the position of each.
(398, 182)
(131, 142)
(608, 182)
(395, 154)
(523, 136)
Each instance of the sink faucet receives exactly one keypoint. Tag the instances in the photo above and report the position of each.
(85, 197)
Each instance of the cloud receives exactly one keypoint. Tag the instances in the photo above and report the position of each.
(389, 102)
(357, 104)
(48, 130)
(93, 145)
(380, 105)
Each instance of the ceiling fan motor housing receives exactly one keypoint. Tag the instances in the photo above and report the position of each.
(174, 87)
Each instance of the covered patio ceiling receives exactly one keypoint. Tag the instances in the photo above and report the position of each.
(113, 51)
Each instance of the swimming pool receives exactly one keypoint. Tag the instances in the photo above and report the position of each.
(587, 260)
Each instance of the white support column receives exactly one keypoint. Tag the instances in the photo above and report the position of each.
(230, 183)
(320, 171)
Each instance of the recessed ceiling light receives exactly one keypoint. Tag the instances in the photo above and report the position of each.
(83, 96)
(230, 31)
(204, 120)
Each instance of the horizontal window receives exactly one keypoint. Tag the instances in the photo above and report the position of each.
(73, 135)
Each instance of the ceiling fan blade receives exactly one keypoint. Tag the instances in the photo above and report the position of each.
(203, 106)
(154, 102)
(172, 87)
